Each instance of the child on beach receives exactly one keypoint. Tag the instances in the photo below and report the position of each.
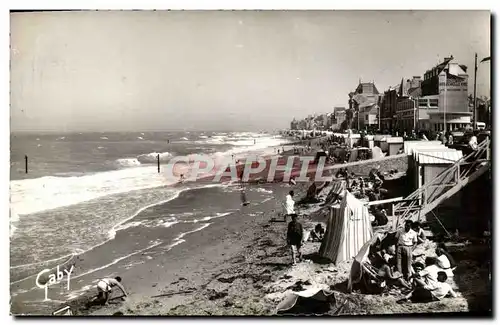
(294, 238)
(106, 285)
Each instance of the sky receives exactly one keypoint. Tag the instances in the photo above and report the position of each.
(221, 70)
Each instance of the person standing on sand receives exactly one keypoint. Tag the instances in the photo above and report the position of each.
(407, 240)
(294, 238)
(289, 205)
(106, 285)
(243, 196)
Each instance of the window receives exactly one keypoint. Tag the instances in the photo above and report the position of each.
(433, 102)
(422, 102)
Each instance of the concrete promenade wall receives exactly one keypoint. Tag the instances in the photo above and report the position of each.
(398, 162)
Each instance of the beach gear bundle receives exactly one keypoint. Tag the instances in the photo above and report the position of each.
(310, 301)
(348, 229)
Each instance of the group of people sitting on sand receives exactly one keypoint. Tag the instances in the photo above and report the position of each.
(393, 263)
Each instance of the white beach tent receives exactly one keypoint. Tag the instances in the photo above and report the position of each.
(348, 229)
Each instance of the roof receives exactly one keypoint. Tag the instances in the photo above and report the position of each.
(366, 88)
(438, 157)
(395, 140)
(365, 100)
(409, 146)
(414, 92)
(456, 69)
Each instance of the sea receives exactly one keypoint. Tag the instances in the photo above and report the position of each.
(83, 189)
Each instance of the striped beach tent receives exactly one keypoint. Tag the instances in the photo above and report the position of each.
(337, 190)
(348, 229)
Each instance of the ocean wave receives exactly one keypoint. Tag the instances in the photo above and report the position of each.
(152, 157)
(140, 138)
(184, 138)
(128, 162)
(179, 239)
(104, 138)
(217, 215)
(263, 190)
(49, 192)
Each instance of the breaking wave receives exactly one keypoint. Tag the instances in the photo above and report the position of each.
(127, 162)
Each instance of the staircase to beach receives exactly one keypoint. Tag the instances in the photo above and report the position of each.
(429, 196)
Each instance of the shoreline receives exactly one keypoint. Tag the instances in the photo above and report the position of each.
(237, 265)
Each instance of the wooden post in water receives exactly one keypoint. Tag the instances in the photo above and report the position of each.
(26, 163)
(158, 163)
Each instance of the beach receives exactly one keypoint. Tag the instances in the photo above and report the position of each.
(202, 252)
(117, 217)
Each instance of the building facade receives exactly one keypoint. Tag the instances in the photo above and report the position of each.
(362, 103)
(448, 84)
(339, 116)
(407, 112)
(388, 109)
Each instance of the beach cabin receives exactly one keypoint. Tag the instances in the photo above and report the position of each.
(431, 163)
(409, 147)
(354, 139)
(369, 141)
(394, 144)
(380, 140)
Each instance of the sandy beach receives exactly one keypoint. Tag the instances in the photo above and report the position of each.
(237, 265)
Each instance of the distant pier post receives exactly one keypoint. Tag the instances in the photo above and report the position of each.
(158, 163)
(26, 163)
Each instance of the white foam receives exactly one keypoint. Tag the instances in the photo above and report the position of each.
(168, 224)
(49, 192)
(112, 232)
(181, 235)
(152, 157)
(140, 138)
(263, 190)
(217, 215)
(128, 162)
(104, 138)
(128, 225)
(184, 138)
(44, 262)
